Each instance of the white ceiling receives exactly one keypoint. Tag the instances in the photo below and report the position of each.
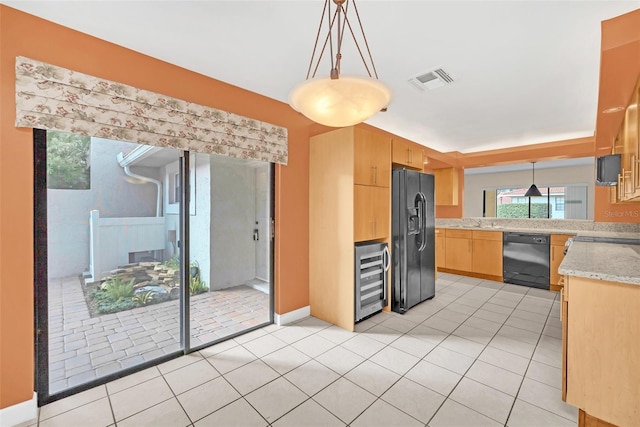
(525, 71)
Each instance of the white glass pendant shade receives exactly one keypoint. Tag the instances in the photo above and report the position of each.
(340, 102)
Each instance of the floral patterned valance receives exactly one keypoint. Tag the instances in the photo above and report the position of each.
(54, 98)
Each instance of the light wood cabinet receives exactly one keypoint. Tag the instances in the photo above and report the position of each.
(627, 144)
(601, 326)
(446, 183)
(476, 253)
(407, 154)
(371, 212)
(556, 257)
(487, 253)
(440, 248)
(458, 250)
(372, 158)
(349, 201)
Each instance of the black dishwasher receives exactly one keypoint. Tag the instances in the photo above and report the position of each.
(525, 259)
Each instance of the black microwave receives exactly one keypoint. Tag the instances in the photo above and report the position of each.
(607, 170)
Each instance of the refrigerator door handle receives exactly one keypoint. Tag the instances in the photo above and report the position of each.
(421, 202)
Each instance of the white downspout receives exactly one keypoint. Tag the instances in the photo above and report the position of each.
(128, 172)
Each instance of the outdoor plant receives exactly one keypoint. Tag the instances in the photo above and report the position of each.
(117, 289)
(144, 298)
(173, 262)
(197, 286)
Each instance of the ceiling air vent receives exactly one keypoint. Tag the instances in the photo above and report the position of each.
(431, 79)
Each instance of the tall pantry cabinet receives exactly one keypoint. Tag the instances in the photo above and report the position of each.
(349, 202)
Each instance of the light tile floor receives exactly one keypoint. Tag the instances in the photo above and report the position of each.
(480, 353)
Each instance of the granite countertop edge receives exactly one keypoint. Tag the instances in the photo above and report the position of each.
(603, 261)
(590, 233)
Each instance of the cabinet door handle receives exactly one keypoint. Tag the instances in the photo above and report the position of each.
(553, 254)
(411, 156)
(408, 155)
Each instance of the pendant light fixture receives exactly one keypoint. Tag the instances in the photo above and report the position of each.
(533, 190)
(339, 100)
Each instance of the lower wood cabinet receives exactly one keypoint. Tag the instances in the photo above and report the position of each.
(601, 355)
(487, 253)
(458, 249)
(440, 248)
(473, 252)
(556, 257)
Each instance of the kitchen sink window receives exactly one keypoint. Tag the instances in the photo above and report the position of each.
(566, 202)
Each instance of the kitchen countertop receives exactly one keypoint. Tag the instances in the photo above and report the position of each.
(591, 233)
(604, 261)
(595, 260)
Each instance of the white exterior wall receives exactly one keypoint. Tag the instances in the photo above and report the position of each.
(549, 177)
(200, 217)
(110, 193)
(233, 213)
(263, 217)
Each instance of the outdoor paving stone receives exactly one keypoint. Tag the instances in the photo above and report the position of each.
(74, 345)
(91, 321)
(128, 362)
(93, 348)
(109, 357)
(122, 344)
(107, 369)
(141, 348)
(84, 328)
(117, 337)
(102, 351)
(63, 356)
(78, 370)
(81, 378)
(97, 342)
(162, 336)
(152, 354)
(74, 362)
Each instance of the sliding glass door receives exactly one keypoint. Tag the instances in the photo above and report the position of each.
(142, 254)
(229, 247)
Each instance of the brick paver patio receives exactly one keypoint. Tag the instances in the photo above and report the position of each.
(82, 348)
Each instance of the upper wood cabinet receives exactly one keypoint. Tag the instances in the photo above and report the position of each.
(446, 186)
(349, 201)
(372, 156)
(406, 153)
(627, 144)
(371, 210)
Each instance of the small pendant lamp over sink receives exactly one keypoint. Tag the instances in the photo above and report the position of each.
(337, 100)
(533, 190)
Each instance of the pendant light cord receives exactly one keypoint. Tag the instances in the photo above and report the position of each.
(326, 11)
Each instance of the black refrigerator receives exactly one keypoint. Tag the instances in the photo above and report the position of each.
(413, 239)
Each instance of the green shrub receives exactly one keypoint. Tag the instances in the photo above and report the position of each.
(104, 303)
(197, 286)
(521, 210)
(144, 298)
(117, 289)
(173, 262)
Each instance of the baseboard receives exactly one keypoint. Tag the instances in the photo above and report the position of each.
(292, 316)
(20, 412)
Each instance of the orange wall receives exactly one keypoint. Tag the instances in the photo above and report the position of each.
(25, 35)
